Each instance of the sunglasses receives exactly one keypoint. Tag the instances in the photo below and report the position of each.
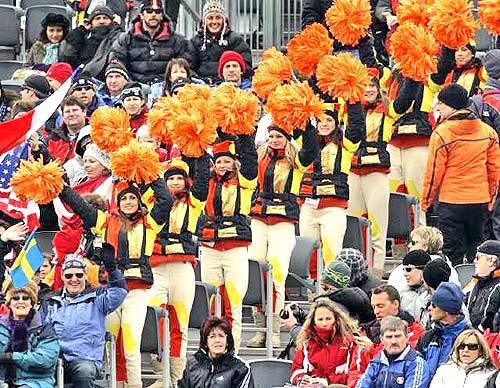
(157, 11)
(83, 88)
(19, 297)
(412, 242)
(69, 276)
(410, 268)
(468, 346)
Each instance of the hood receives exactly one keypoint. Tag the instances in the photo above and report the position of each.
(469, 123)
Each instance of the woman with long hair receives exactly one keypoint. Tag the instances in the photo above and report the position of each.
(325, 346)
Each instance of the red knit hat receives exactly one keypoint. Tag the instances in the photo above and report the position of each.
(66, 241)
(231, 56)
(60, 71)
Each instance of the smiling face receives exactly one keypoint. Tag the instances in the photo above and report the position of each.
(463, 56)
(74, 280)
(214, 22)
(394, 341)
(324, 318)
(327, 126)
(216, 342)
(371, 92)
(129, 203)
(93, 168)
(224, 164)
(84, 93)
(276, 140)
(54, 34)
(176, 183)
(74, 117)
(20, 305)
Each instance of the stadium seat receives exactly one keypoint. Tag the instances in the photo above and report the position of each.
(201, 304)
(25, 4)
(44, 241)
(34, 17)
(400, 219)
(11, 3)
(465, 273)
(270, 373)
(7, 68)
(9, 32)
(484, 41)
(298, 272)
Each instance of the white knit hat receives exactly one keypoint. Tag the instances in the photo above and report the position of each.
(213, 6)
(95, 152)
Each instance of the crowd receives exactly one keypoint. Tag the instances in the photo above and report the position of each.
(154, 182)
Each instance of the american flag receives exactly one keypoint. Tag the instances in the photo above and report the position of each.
(10, 204)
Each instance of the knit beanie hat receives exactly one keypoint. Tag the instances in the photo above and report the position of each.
(436, 272)
(74, 260)
(101, 10)
(95, 152)
(455, 96)
(448, 297)
(84, 82)
(355, 261)
(38, 84)
(30, 289)
(213, 6)
(116, 67)
(419, 258)
(133, 89)
(60, 71)
(231, 56)
(491, 63)
(66, 241)
(337, 274)
(490, 247)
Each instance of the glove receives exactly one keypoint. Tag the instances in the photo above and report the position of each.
(5, 357)
(108, 257)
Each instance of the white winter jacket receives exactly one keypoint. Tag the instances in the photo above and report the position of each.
(451, 375)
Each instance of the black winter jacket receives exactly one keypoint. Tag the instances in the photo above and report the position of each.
(368, 283)
(146, 57)
(226, 371)
(205, 55)
(355, 301)
(313, 11)
(483, 302)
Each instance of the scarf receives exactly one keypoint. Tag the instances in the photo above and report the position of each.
(51, 53)
(18, 341)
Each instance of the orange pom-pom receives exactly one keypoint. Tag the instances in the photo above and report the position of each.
(110, 128)
(308, 47)
(193, 130)
(192, 92)
(274, 69)
(38, 182)
(414, 11)
(349, 20)
(452, 23)
(234, 110)
(415, 51)
(343, 76)
(489, 14)
(292, 105)
(160, 118)
(136, 162)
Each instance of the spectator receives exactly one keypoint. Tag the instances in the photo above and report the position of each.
(232, 68)
(429, 239)
(46, 49)
(98, 179)
(134, 102)
(149, 45)
(324, 346)
(20, 108)
(88, 42)
(397, 362)
(74, 166)
(213, 39)
(445, 311)
(35, 88)
(116, 77)
(215, 363)
(29, 345)
(78, 314)
(61, 142)
(359, 271)
(335, 283)
(466, 175)
(292, 319)
(470, 364)
(57, 73)
(84, 89)
(415, 297)
(118, 7)
(483, 300)
(7, 101)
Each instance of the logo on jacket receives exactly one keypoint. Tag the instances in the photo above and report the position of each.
(400, 380)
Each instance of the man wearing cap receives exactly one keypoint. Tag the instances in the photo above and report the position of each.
(445, 311)
(84, 89)
(34, 89)
(232, 67)
(58, 73)
(463, 165)
(78, 313)
(116, 77)
(483, 301)
(83, 43)
(215, 37)
(150, 44)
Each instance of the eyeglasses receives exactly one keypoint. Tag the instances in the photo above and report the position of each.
(157, 11)
(468, 346)
(19, 297)
(409, 268)
(69, 276)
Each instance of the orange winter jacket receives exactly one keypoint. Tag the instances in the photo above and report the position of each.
(463, 162)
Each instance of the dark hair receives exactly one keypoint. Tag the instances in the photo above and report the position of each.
(392, 292)
(212, 323)
(21, 106)
(168, 71)
(54, 20)
(73, 100)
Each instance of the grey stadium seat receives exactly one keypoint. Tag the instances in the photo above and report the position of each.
(9, 32)
(7, 68)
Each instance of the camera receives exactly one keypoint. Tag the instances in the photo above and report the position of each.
(296, 311)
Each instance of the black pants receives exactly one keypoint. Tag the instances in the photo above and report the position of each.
(462, 228)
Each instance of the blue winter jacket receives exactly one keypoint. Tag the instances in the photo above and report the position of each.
(80, 322)
(409, 370)
(436, 344)
(35, 367)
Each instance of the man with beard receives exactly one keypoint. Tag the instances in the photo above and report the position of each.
(150, 44)
(83, 44)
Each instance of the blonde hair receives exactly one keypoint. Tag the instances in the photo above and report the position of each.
(431, 237)
(344, 326)
(485, 350)
(290, 152)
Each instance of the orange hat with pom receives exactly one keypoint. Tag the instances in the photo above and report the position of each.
(224, 148)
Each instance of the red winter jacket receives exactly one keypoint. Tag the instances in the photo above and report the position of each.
(324, 357)
(59, 144)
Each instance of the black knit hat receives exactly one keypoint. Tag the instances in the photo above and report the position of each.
(490, 247)
(54, 19)
(101, 10)
(435, 272)
(455, 96)
(418, 258)
(117, 67)
(38, 84)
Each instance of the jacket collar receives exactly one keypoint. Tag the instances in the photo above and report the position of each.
(384, 360)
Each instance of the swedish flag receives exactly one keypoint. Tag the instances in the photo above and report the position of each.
(29, 260)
